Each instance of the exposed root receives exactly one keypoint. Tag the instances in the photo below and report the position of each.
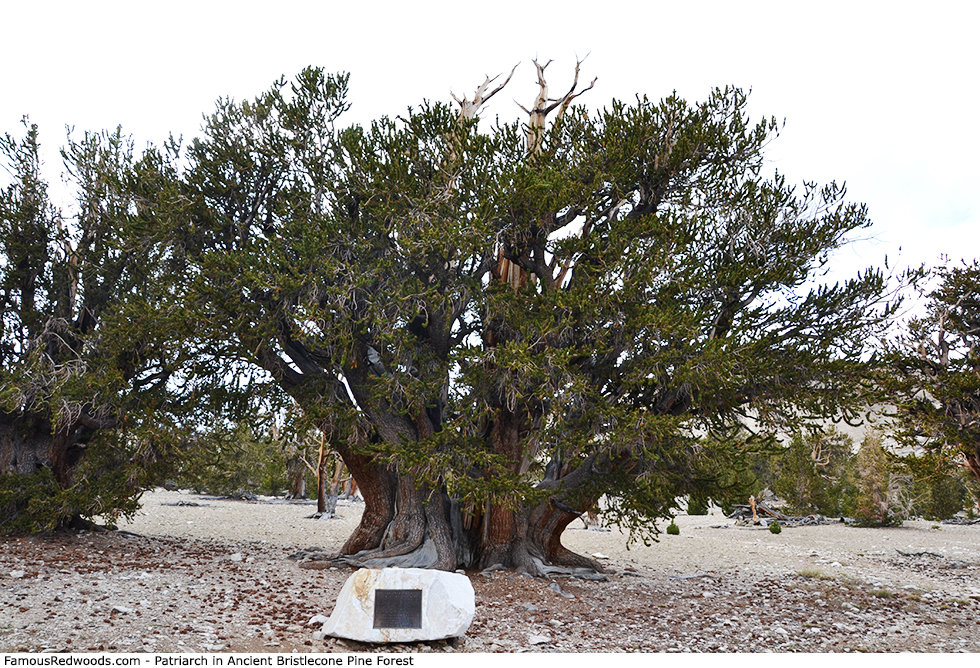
(424, 556)
(582, 573)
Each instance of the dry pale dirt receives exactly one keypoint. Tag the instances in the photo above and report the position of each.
(194, 573)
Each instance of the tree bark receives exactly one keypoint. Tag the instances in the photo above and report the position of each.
(407, 525)
(547, 523)
(973, 462)
(28, 443)
(28, 446)
(335, 481)
(296, 469)
(321, 480)
(378, 487)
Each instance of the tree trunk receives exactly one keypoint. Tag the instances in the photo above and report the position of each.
(337, 473)
(973, 462)
(321, 481)
(378, 488)
(296, 470)
(29, 447)
(547, 523)
(407, 525)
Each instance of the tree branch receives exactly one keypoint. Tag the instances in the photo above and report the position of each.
(469, 109)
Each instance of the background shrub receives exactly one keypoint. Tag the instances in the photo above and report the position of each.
(697, 505)
(940, 488)
(815, 473)
(234, 461)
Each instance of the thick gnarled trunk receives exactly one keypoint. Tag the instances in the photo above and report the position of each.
(29, 447)
(407, 525)
(29, 444)
(428, 532)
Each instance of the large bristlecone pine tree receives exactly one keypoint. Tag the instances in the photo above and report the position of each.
(499, 328)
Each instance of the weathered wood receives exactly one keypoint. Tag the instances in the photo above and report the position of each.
(468, 109)
(544, 105)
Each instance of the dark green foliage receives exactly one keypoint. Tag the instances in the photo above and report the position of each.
(81, 356)
(947, 497)
(661, 287)
(933, 371)
(232, 462)
(530, 322)
(673, 529)
(731, 479)
(940, 489)
(746, 474)
(815, 473)
(973, 490)
(32, 504)
(775, 528)
(697, 505)
(106, 486)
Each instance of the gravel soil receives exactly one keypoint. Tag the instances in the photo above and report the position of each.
(194, 573)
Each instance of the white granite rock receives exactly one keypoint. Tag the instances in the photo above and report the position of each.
(448, 605)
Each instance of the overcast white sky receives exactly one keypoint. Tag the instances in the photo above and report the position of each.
(883, 96)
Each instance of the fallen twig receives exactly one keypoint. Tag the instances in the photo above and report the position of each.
(921, 554)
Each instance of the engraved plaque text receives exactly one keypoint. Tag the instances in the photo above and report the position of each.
(397, 608)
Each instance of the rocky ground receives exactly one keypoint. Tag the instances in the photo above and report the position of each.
(210, 575)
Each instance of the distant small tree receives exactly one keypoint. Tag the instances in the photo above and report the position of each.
(233, 460)
(882, 494)
(947, 496)
(697, 505)
(815, 473)
(737, 479)
(939, 490)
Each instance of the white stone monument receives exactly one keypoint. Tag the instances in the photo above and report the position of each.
(402, 605)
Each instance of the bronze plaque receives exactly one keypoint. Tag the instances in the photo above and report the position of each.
(397, 608)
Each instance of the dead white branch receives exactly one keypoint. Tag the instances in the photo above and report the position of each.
(544, 105)
(468, 109)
